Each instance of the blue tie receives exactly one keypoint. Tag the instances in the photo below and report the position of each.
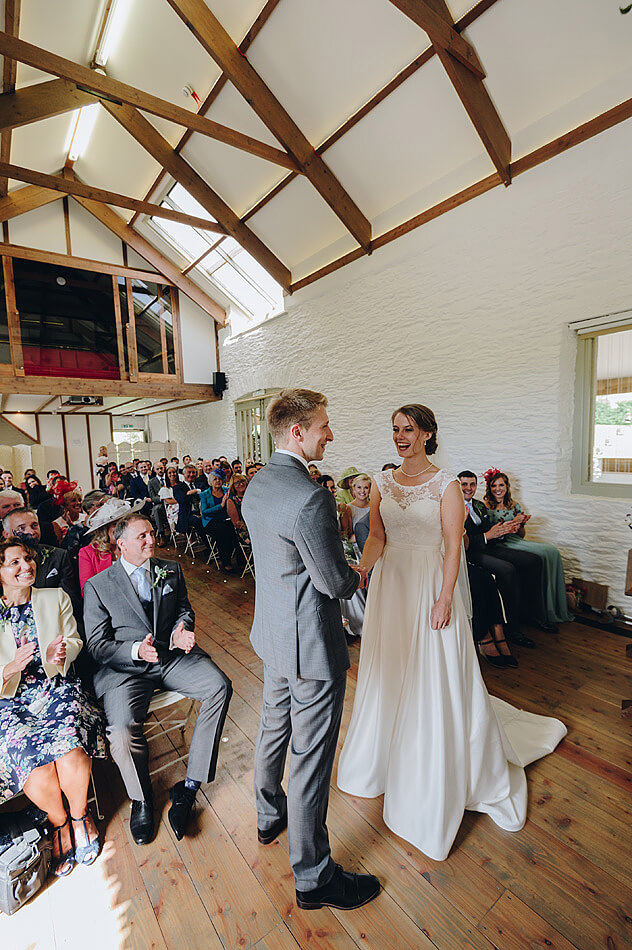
(142, 585)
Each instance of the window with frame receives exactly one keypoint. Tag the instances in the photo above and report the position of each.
(253, 438)
(221, 260)
(603, 407)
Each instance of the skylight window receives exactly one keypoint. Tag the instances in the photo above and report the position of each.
(221, 260)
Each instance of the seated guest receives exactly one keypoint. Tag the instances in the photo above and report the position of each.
(139, 486)
(70, 502)
(251, 471)
(102, 550)
(175, 461)
(217, 524)
(188, 498)
(238, 486)
(503, 510)
(50, 729)
(167, 498)
(35, 491)
(157, 481)
(9, 500)
(54, 567)
(6, 480)
(360, 488)
(345, 521)
(236, 467)
(186, 460)
(517, 573)
(344, 494)
(314, 471)
(203, 476)
(139, 627)
(113, 482)
(76, 535)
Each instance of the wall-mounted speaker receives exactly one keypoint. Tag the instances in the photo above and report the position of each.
(219, 383)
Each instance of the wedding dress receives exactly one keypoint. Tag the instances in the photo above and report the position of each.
(424, 731)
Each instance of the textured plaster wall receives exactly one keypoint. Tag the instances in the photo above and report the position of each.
(469, 315)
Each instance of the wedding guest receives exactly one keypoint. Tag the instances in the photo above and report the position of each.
(203, 476)
(50, 728)
(113, 482)
(70, 503)
(517, 573)
(238, 487)
(6, 480)
(54, 567)
(314, 471)
(140, 632)
(188, 498)
(168, 499)
(35, 491)
(251, 471)
(102, 551)
(358, 513)
(502, 508)
(259, 466)
(159, 516)
(139, 486)
(10, 499)
(236, 467)
(345, 522)
(217, 524)
(344, 494)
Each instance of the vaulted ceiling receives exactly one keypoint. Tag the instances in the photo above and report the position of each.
(355, 119)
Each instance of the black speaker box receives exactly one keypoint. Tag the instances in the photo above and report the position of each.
(219, 383)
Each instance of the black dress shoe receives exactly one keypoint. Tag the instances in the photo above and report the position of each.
(521, 640)
(344, 891)
(183, 800)
(141, 822)
(547, 627)
(272, 833)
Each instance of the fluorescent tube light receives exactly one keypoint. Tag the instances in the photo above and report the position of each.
(111, 34)
(81, 126)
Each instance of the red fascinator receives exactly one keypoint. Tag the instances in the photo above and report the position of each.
(491, 473)
(61, 487)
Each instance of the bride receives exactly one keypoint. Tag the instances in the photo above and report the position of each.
(424, 731)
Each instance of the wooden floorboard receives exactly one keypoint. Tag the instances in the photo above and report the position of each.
(563, 882)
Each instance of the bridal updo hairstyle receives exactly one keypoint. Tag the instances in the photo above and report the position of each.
(293, 407)
(424, 419)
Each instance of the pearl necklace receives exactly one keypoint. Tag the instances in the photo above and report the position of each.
(417, 474)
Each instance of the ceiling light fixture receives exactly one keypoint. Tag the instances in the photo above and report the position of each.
(115, 17)
(81, 126)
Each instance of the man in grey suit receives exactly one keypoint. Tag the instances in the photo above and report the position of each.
(301, 574)
(139, 630)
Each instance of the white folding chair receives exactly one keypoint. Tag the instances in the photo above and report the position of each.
(175, 721)
(193, 540)
(213, 553)
(249, 566)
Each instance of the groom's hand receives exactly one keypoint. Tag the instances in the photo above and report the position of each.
(364, 576)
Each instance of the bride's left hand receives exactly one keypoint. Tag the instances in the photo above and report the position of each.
(440, 615)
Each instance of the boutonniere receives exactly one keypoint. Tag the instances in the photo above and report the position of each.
(45, 553)
(159, 574)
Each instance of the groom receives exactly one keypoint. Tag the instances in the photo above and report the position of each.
(301, 574)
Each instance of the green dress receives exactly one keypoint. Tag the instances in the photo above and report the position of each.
(554, 585)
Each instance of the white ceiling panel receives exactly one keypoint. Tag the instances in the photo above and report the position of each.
(237, 18)
(297, 223)
(418, 135)
(551, 66)
(324, 60)
(23, 403)
(114, 160)
(41, 144)
(66, 27)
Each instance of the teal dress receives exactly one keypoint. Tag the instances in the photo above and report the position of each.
(554, 585)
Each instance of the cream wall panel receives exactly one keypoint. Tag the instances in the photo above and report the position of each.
(52, 441)
(79, 464)
(468, 315)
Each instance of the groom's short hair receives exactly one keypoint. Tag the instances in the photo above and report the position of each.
(293, 407)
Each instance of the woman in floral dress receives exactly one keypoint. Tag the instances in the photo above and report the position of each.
(50, 729)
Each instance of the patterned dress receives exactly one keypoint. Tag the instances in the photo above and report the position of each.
(46, 718)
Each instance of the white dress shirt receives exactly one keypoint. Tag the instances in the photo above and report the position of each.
(295, 456)
(129, 570)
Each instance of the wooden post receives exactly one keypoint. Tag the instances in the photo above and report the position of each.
(13, 319)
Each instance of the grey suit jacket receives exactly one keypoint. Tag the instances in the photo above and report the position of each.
(114, 618)
(300, 570)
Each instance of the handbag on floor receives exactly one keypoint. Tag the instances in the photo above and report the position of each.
(25, 850)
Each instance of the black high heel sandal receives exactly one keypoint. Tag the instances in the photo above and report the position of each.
(67, 858)
(86, 853)
(497, 661)
(509, 658)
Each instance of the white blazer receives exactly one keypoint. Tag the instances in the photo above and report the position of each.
(53, 615)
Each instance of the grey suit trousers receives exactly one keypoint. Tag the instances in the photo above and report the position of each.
(309, 712)
(194, 675)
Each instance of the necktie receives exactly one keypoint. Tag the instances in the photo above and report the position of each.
(142, 585)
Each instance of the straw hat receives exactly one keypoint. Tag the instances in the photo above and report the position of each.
(111, 511)
(347, 475)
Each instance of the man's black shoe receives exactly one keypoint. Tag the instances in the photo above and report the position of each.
(183, 800)
(345, 891)
(272, 833)
(141, 822)
(547, 627)
(516, 637)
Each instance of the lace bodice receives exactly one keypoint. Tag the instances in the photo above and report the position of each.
(412, 514)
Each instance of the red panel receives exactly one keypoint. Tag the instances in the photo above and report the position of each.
(76, 364)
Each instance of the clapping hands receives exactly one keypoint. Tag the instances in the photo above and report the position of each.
(24, 655)
(56, 652)
(147, 651)
(182, 638)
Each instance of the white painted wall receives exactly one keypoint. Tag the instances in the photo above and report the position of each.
(469, 315)
(198, 342)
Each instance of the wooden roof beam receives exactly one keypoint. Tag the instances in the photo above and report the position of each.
(160, 149)
(221, 47)
(9, 74)
(73, 186)
(470, 88)
(442, 33)
(115, 223)
(104, 86)
(21, 200)
(41, 101)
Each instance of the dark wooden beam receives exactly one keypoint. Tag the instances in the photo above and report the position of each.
(73, 186)
(221, 47)
(41, 101)
(583, 132)
(158, 147)
(441, 33)
(262, 18)
(9, 73)
(115, 223)
(470, 88)
(104, 86)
